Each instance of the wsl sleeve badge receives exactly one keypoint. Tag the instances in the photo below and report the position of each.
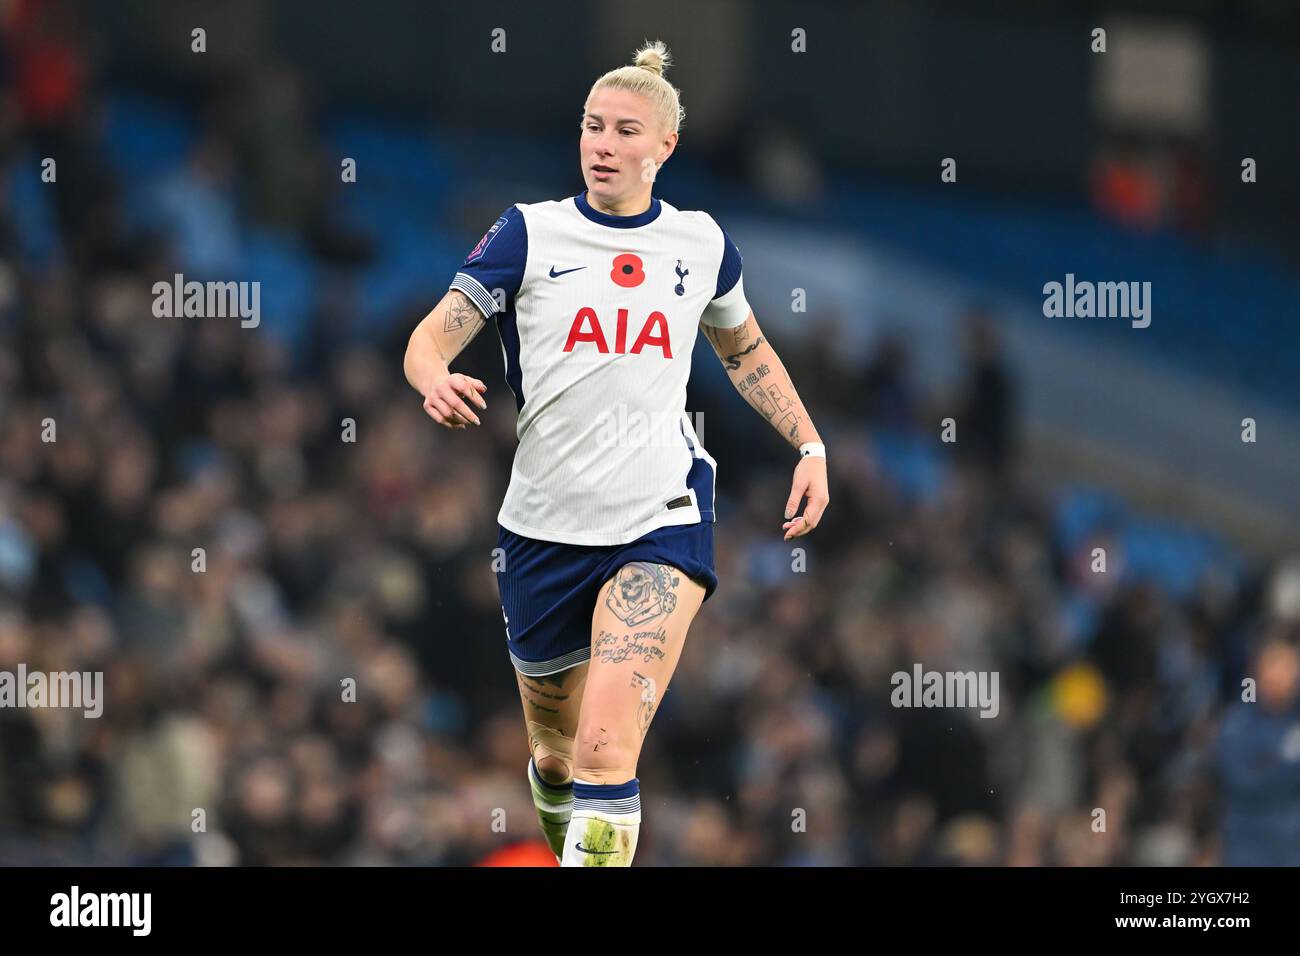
(477, 252)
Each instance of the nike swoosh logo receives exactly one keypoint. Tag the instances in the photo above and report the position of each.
(564, 272)
(585, 850)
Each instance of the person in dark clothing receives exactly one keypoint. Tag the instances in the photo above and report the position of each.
(1259, 760)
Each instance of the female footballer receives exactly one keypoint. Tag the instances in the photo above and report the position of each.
(606, 530)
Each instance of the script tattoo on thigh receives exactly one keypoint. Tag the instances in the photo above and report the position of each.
(542, 693)
(537, 706)
(532, 693)
(642, 590)
(611, 648)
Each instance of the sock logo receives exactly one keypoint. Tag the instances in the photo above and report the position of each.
(579, 846)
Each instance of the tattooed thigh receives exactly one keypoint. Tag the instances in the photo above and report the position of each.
(642, 591)
(638, 630)
(552, 705)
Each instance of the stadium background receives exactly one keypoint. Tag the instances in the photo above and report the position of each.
(327, 559)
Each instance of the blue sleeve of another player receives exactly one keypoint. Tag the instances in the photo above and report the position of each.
(729, 271)
(497, 262)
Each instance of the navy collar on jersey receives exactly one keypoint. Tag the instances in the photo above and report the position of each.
(619, 222)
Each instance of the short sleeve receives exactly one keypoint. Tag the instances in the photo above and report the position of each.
(728, 307)
(497, 262)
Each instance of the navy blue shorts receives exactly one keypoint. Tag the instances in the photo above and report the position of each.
(549, 590)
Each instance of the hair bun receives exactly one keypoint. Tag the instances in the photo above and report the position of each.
(654, 56)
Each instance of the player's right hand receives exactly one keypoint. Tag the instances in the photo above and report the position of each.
(445, 400)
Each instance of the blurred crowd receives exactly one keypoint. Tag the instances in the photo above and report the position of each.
(301, 637)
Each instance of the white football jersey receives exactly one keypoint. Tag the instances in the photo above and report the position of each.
(598, 316)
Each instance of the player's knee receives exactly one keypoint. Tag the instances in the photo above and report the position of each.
(605, 753)
(552, 752)
(552, 768)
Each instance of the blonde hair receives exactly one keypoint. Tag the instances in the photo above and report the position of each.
(645, 77)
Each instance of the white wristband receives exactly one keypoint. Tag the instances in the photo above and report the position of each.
(812, 449)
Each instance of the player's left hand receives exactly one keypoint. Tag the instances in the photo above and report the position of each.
(810, 483)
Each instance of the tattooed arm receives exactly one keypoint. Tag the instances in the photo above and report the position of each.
(438, 339)
(758, 374)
